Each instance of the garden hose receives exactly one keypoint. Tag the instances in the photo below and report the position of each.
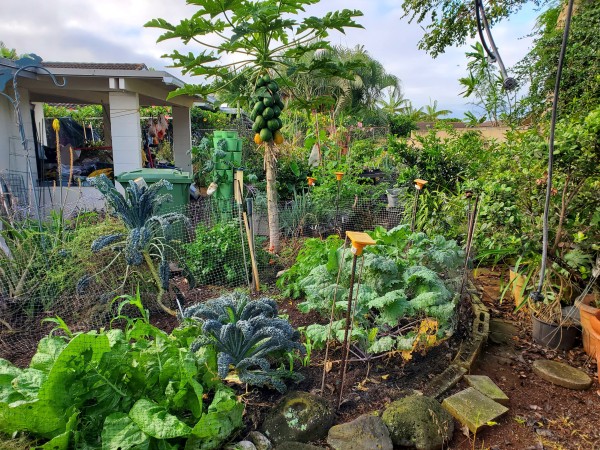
(508, 83)
(537, 295)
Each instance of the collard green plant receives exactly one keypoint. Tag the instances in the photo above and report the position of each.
(247, 334)
(133, 388)
(149, 234)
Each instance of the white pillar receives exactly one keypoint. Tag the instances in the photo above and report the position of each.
(182, 138)
(125, 131)
(8, 130)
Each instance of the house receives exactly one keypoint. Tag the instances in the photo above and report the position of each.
(121, 89)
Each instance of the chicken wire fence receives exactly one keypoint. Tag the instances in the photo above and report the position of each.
(56, 270)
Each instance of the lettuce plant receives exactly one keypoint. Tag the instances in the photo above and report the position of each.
(247, 334)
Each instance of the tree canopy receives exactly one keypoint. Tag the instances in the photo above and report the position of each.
(449, 22)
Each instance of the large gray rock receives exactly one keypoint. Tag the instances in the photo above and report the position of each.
(367, 432)
(299, 417)
(419, 422)
(242, 445)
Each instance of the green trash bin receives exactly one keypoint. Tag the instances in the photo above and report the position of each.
(180, 180)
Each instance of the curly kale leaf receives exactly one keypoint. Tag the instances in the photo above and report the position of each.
(246, 334)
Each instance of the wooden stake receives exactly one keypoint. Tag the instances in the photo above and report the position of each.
(252, 258)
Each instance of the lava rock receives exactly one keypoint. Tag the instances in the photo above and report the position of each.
(419, 422)
(367, 432)
(242, 445)
(300, 417)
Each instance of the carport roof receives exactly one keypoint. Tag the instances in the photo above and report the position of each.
(91, 83)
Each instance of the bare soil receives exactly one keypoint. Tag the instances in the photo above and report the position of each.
(541, 415)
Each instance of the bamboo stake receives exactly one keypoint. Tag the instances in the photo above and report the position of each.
(70, 165)
(56, 127)
(252, 258)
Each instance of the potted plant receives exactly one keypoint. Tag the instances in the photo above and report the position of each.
(589, 310)
(553, 324)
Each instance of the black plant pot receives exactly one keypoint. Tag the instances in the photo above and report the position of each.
(554, 336)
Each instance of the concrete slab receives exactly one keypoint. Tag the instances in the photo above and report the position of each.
(562, 374)
(444, 381)
(473, 409)
(487, 387)
(502, 331)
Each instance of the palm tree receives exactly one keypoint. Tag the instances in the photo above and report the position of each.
(395, 103)
(415, 114)
(361, 88)
(432, 114)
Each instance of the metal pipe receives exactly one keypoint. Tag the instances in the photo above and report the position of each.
(346, 345)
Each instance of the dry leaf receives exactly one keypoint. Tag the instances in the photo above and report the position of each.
(361, 386)
(385, 377)
(328, 366)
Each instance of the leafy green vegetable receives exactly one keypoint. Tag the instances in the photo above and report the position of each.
(404, 275)
(246, 334)
(155, 421)
(140, 389)
(121, 432)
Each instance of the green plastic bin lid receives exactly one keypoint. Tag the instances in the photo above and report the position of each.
(154, 175)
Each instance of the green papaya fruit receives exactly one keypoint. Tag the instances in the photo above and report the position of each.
(266, 135)
(268, 113)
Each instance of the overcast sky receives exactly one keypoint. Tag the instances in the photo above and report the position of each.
(112, 31)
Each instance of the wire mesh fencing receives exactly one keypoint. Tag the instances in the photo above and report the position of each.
(63, 266)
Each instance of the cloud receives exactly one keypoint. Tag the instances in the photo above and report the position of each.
(112, 31)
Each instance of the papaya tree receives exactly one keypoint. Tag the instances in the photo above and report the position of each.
(263, 38)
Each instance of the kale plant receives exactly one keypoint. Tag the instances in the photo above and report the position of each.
(404, 277)
(149, 234)
(246, 334)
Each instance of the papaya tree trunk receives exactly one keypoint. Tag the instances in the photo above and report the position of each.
(272, 207)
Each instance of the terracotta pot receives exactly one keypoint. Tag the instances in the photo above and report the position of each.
(517, 282)
(591, 340)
